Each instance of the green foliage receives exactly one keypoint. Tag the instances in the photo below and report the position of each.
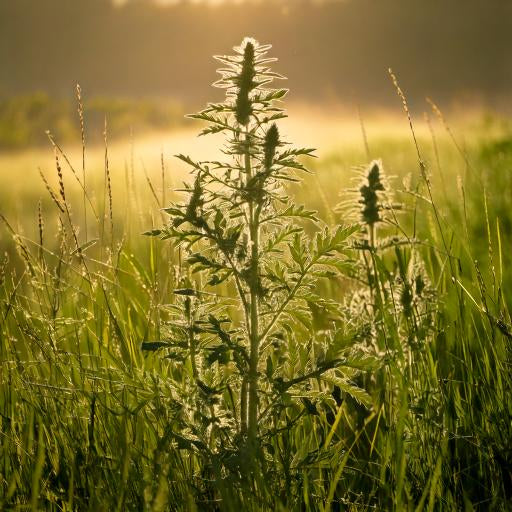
(382, 369)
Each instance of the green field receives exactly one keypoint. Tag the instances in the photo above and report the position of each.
(385, 383)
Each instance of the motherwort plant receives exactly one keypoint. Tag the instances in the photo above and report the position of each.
(241, 326)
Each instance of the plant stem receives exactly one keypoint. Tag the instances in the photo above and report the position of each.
(254, 309)
(243, 406)
(191, 340)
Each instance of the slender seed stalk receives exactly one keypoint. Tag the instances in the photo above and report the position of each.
(108, 186)
(82, 133)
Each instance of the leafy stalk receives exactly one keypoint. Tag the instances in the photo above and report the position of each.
(236, 219)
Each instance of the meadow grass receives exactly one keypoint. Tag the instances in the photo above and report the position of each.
(417, 418)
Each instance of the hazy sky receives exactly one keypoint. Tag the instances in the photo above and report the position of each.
(210, 2)
(220, 2)
(333, 50)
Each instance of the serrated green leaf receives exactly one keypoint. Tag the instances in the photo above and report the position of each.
(153, 232)
(354, 391)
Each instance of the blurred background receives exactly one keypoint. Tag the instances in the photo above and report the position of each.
(145, 63)
(81, 288)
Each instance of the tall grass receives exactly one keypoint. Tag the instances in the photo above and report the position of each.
(416, 417)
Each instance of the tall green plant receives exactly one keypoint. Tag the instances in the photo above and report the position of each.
(238, 228)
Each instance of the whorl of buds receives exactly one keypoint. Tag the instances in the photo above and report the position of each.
(195, 201)
(369, 194)
(270, 145)
(245, 84)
